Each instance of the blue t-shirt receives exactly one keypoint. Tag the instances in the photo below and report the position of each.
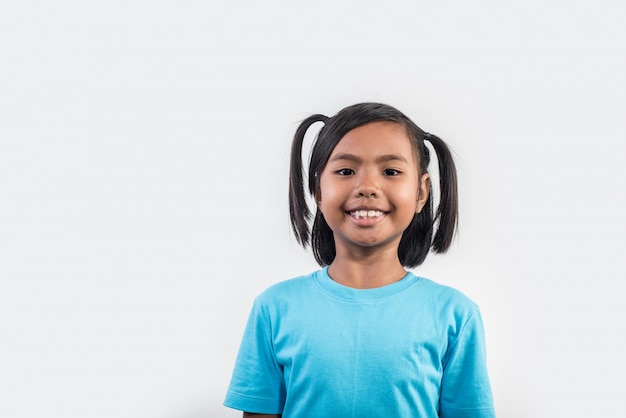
(314, 348)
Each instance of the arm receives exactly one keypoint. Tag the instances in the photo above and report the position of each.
(257, 385)
(465, 387)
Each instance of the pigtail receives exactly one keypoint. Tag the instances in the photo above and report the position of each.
(446, 215)
(299, 211)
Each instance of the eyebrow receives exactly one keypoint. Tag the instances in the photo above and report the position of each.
(380, 159)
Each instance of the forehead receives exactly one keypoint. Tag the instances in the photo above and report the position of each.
(377, 138)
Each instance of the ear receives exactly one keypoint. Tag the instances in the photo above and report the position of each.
(317, 195)
(423, 190)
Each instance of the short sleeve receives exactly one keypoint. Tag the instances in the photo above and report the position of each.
(257, 383)
(465, 387)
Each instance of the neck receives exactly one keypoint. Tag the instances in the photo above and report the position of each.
(366, 272)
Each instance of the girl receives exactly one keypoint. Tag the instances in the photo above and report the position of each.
(362, 337)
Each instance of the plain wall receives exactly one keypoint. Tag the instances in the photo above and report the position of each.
(143, 185)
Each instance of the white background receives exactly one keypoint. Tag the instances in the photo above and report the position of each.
(143, 187)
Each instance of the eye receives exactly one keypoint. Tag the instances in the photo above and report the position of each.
(345, 172)
(390, 172)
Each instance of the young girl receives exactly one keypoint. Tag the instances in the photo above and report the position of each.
(362, 337)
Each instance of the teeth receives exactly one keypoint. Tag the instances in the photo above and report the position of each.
(366, 213)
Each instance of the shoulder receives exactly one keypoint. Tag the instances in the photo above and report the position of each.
(288, 289)
(456, 315)
(448, 293)
(288, 299)
(447, 299)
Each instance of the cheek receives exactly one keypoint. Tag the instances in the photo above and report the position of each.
(322, 192)
(408, 194)
(407, 198)
(326, 194)
(331, 197)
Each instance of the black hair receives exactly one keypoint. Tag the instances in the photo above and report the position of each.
(428, 229)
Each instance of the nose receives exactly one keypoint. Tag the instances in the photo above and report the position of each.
(365, 192)
(367, 186)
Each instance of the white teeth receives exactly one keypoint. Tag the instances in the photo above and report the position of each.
(366, 214)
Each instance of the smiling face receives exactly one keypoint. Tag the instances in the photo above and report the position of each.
(370, 189)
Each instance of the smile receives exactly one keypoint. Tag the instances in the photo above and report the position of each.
(364, 214)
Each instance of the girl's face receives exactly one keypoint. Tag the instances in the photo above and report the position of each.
(371, 187)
